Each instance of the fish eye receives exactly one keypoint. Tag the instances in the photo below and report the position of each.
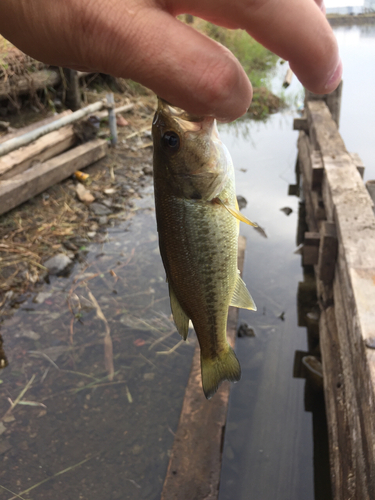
(171, 140)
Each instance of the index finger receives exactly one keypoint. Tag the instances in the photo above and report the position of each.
(296, 30)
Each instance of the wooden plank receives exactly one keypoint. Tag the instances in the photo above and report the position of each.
(327, 252)
(288, 78)
(336, 400)
(22, 187)
(310, 252)
(73, 94)
(349, 206)
(33, 81)
(42, 149)
(370, 186)
(358, 163)
(332, 100)
(300, 124)
(33, 126)
(194, 467)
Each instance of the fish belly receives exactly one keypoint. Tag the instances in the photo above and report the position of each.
(198, 243)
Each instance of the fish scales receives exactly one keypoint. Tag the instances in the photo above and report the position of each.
(197, 219)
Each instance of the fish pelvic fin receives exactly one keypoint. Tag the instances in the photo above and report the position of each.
(235, 212)
(180, 318)
(241, 296)
(214, 371)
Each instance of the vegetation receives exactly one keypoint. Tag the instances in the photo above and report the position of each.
(257, 61)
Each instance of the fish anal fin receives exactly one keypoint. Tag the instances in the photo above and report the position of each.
(179, 316)
(214, 371)
(235, 212)
(241, 296)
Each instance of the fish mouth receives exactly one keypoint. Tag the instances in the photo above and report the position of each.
(176, 112)
(187, 122)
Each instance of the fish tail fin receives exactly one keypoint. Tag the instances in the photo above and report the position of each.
(224, 367)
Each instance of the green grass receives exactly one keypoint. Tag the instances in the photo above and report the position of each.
(257, 61)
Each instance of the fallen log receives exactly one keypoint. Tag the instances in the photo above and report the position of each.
(33, 81)
(38, 178)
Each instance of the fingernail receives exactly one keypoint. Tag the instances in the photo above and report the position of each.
(335, 78)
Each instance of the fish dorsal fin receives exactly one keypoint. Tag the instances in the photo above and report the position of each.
(241, 296)
(236, 213)
(180, 317)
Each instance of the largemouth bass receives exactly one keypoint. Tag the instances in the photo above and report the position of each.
(198, 224)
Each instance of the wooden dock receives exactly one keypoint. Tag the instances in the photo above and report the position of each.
(340, 244)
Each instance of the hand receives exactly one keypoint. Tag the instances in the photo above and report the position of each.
(143, 40)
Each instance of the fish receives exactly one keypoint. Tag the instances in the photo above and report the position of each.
(197, 219)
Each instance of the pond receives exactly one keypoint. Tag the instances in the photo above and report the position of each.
(100, 371)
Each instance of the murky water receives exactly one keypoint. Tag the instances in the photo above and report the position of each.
(108, 372)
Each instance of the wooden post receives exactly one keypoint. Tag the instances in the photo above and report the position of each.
(112, 118)
(345, 274)
(332, 100)
(73, 94)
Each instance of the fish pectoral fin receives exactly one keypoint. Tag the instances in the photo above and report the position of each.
(241, 296)
(180, 317)
(235, 212)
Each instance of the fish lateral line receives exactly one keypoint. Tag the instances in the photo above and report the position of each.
(235, 212)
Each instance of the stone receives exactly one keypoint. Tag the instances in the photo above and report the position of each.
(100, 209)
(57, 263)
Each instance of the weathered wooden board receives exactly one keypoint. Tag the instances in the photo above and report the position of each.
(42, 149)
(22, 187)
(195, 463)
(34, 81)
(24, 130)
(348, 309)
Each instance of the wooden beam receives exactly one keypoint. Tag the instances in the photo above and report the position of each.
(73, 94)
(195, 463)
(310, 252)
(22, 187)
(42, 149)
(348, 205)
(24, 130)
(300, 124)
(327, 252)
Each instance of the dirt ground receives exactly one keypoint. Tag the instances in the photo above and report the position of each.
(56, 221)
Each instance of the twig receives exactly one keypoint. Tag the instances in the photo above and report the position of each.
(108, 346)
(19, 397)
(52, 477)
(172, 349)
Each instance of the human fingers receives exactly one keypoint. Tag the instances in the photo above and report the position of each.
(296, 30)
(132, 39)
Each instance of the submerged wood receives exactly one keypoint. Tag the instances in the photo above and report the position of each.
(194, 467)
(346, 291)
(25, 139)
(36, 179)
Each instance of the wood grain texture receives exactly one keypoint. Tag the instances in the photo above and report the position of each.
(24, 130)
(347, 324)
(194, 466)
(33, 81)
(42, 149)
(22, 187)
